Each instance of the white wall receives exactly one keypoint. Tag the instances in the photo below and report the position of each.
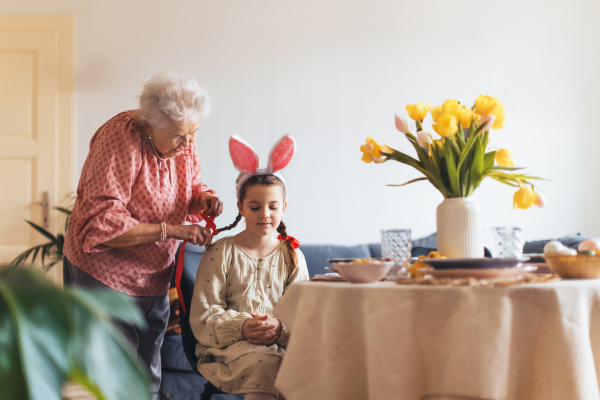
(332, 72)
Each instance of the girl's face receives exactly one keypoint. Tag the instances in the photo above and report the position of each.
(263, 208)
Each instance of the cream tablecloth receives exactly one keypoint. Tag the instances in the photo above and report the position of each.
(388, 341)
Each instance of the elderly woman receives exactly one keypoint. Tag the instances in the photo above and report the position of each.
(139, 185)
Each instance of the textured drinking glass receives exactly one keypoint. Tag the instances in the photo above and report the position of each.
(508, 242)
(396, 244)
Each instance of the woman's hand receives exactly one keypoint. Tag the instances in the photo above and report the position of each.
(261, 329)
(206, 203)
(195, 234)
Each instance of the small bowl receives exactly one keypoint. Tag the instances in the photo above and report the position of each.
(364, 272)
(579, 266)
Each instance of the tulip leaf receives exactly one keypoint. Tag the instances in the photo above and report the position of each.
(453, 147)
(476, 172)
(488, 162)
(465, 151)
(408, 160)
(409, 182)
(460, 137)
(452, 173)
(499, 168)
(423, 156)
(444, 174)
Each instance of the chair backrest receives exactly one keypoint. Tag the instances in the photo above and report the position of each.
(189, 267)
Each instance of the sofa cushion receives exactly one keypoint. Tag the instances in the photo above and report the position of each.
(172, 356)
(428, 241)
(316, 255)
(537, 246)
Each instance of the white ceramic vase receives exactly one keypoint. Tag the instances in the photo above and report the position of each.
(459, 228)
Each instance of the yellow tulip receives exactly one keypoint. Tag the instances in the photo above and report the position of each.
(372, 151)
(436, 113)
(466, 116)
(451, 106)
(524, 198)
(499, 121)
(486, 105)
(418, 111)
(447, 125)
(504, 158)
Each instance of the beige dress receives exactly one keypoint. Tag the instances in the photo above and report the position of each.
(229, 286)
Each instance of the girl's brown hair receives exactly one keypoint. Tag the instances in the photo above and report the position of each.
(265, 180)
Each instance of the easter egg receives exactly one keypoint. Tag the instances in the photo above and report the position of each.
(553, 247)
(589, 245)
(568, 252)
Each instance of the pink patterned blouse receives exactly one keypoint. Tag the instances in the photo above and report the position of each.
(122, 184)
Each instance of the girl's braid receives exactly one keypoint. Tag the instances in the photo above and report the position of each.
(283, 232)
(226, 228)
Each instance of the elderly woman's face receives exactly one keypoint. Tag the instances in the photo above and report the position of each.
(172, 140)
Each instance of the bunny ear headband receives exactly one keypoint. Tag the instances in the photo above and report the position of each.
(245, 159)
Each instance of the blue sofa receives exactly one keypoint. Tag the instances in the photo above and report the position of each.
(182, 383)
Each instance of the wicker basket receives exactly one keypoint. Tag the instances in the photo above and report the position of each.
(579, 266)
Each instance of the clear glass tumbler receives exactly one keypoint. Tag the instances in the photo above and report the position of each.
(508, 242)
(396, 244)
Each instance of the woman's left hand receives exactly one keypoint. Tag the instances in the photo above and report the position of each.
(206, 203)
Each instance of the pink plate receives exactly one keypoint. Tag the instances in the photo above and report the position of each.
(364, 273)
(482, 273)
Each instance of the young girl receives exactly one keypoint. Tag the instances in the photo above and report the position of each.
(241, 278)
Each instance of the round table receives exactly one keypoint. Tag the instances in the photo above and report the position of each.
(390, 341)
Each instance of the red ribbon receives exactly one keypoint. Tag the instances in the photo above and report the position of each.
(210, 224)
(293, 241)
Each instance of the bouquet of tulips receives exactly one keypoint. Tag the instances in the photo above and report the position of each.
(459, 160)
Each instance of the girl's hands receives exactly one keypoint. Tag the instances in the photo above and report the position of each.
(195, 234)
(261, 329)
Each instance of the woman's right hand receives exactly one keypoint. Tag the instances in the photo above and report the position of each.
(195, 234)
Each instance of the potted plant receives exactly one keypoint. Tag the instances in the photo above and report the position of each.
(455, 164)
(50, 252)
(50, 336)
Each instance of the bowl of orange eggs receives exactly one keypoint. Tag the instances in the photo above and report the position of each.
(570, 263)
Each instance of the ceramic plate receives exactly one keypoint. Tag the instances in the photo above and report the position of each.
(473, 263)
(332, 269)
(482, 273)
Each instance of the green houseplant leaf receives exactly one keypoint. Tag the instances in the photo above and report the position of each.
(49, 335)
(53, 250)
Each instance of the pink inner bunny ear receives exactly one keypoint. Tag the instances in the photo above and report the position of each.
(243, 155)
(282, 153)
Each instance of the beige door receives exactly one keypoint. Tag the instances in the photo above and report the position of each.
(36, 126)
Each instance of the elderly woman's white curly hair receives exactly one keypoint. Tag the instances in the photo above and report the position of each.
(172, 98)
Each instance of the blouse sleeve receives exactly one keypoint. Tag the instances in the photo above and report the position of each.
(114, 162)
(197, 185)
(212, 323)
(300, 273)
